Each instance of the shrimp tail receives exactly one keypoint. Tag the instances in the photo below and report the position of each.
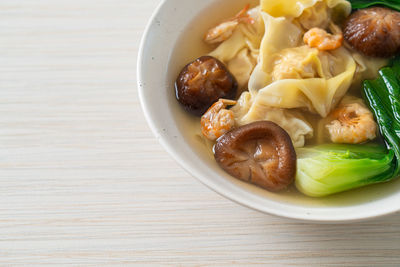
(243, 16)
(224, 30)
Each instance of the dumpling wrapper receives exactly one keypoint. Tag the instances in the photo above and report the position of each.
(241, 51)
(290, 120)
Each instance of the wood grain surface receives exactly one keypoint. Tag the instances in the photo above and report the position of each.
(83, 181)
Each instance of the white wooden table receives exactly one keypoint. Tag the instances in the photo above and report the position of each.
(83, 181)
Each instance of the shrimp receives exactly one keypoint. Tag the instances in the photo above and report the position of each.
(322, 40)
(352, 124)
(225, 30)
(218, 120)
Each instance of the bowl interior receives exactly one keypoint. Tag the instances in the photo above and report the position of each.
(174, 38)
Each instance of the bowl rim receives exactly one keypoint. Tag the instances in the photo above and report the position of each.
(304, 217)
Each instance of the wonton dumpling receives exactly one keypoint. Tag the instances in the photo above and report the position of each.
(291, 121)
(240, 52)
(293, 75)
(317, 82)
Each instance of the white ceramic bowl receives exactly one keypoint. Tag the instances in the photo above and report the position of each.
(172, 39)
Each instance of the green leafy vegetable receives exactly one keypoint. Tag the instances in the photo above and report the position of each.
(383, 97)
(358, 4)
(329, 169)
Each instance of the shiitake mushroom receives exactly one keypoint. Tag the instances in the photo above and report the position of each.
(374, 31)
(261, 153)
(202, 82)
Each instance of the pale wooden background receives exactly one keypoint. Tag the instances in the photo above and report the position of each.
(83, 181)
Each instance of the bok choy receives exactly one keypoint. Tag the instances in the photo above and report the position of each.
(329, 169)
(383, 97)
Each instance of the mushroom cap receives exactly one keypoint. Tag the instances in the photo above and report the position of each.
(374, 31)
(202, 82)
(261, 153)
